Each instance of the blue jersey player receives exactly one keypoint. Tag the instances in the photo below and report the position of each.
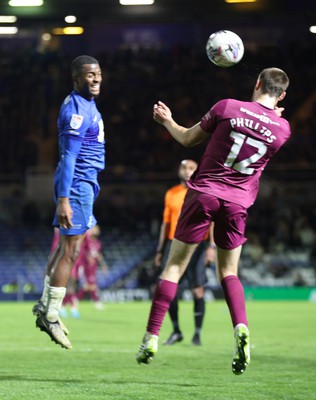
(81, 157)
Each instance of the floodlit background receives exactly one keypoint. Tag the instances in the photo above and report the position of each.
(149, 53)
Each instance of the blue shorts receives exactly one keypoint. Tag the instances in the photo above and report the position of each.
(81, 203)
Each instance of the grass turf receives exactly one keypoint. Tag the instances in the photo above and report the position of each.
(102, 363)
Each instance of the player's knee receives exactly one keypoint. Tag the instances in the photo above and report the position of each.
(198, 292)
(71, 254)
(174, 270)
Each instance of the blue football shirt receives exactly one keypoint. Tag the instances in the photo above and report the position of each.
(81, 145)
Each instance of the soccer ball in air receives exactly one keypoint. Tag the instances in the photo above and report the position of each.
(224, 48)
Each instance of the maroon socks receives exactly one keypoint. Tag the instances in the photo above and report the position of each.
(166, 291)
(163, 296)
(235, 299)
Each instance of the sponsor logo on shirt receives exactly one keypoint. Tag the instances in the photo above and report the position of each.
(76, 226)
(76, 121)
(262, 118)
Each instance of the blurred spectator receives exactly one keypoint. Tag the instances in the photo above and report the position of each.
(140, 149)
(135, 80)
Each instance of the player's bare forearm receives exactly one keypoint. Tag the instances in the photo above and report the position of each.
(188, 137)
(178, 132)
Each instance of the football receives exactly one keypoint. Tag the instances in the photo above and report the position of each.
(224, 48)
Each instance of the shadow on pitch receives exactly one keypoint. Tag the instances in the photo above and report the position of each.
(18, 378)
(21, 378)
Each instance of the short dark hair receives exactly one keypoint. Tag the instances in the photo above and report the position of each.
(274, 81)
(77, 64)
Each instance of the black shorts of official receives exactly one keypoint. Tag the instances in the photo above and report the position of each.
(195, 274)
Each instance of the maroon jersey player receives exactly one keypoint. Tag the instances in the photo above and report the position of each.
(92, 260)
(243, 136)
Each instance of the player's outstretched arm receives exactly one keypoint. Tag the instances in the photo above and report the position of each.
(188, 137)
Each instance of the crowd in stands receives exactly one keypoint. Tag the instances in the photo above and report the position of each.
(33, 85)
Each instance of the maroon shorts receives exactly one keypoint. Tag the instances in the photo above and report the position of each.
(200, 209)
(90, 274)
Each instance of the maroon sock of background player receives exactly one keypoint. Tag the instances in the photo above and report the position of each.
(80, 295)
(73, 300)
(163, 296)
(94, 296)
(67, 299)
(235, 299)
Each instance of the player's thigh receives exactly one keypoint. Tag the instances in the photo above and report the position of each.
(71, 245)
(178, 259)
(165, 253)
(196, 271)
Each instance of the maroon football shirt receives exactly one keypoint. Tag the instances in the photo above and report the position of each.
(244, 136)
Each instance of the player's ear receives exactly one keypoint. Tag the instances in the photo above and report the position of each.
(282, 96)
(258, 84)
(75, 79)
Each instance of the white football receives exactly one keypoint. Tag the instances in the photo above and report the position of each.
(224, 48)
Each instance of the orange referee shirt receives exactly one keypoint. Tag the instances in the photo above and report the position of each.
(174, 198)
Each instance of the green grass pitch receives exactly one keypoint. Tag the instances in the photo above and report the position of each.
(102, 363)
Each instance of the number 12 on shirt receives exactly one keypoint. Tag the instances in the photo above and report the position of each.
(243, 166)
